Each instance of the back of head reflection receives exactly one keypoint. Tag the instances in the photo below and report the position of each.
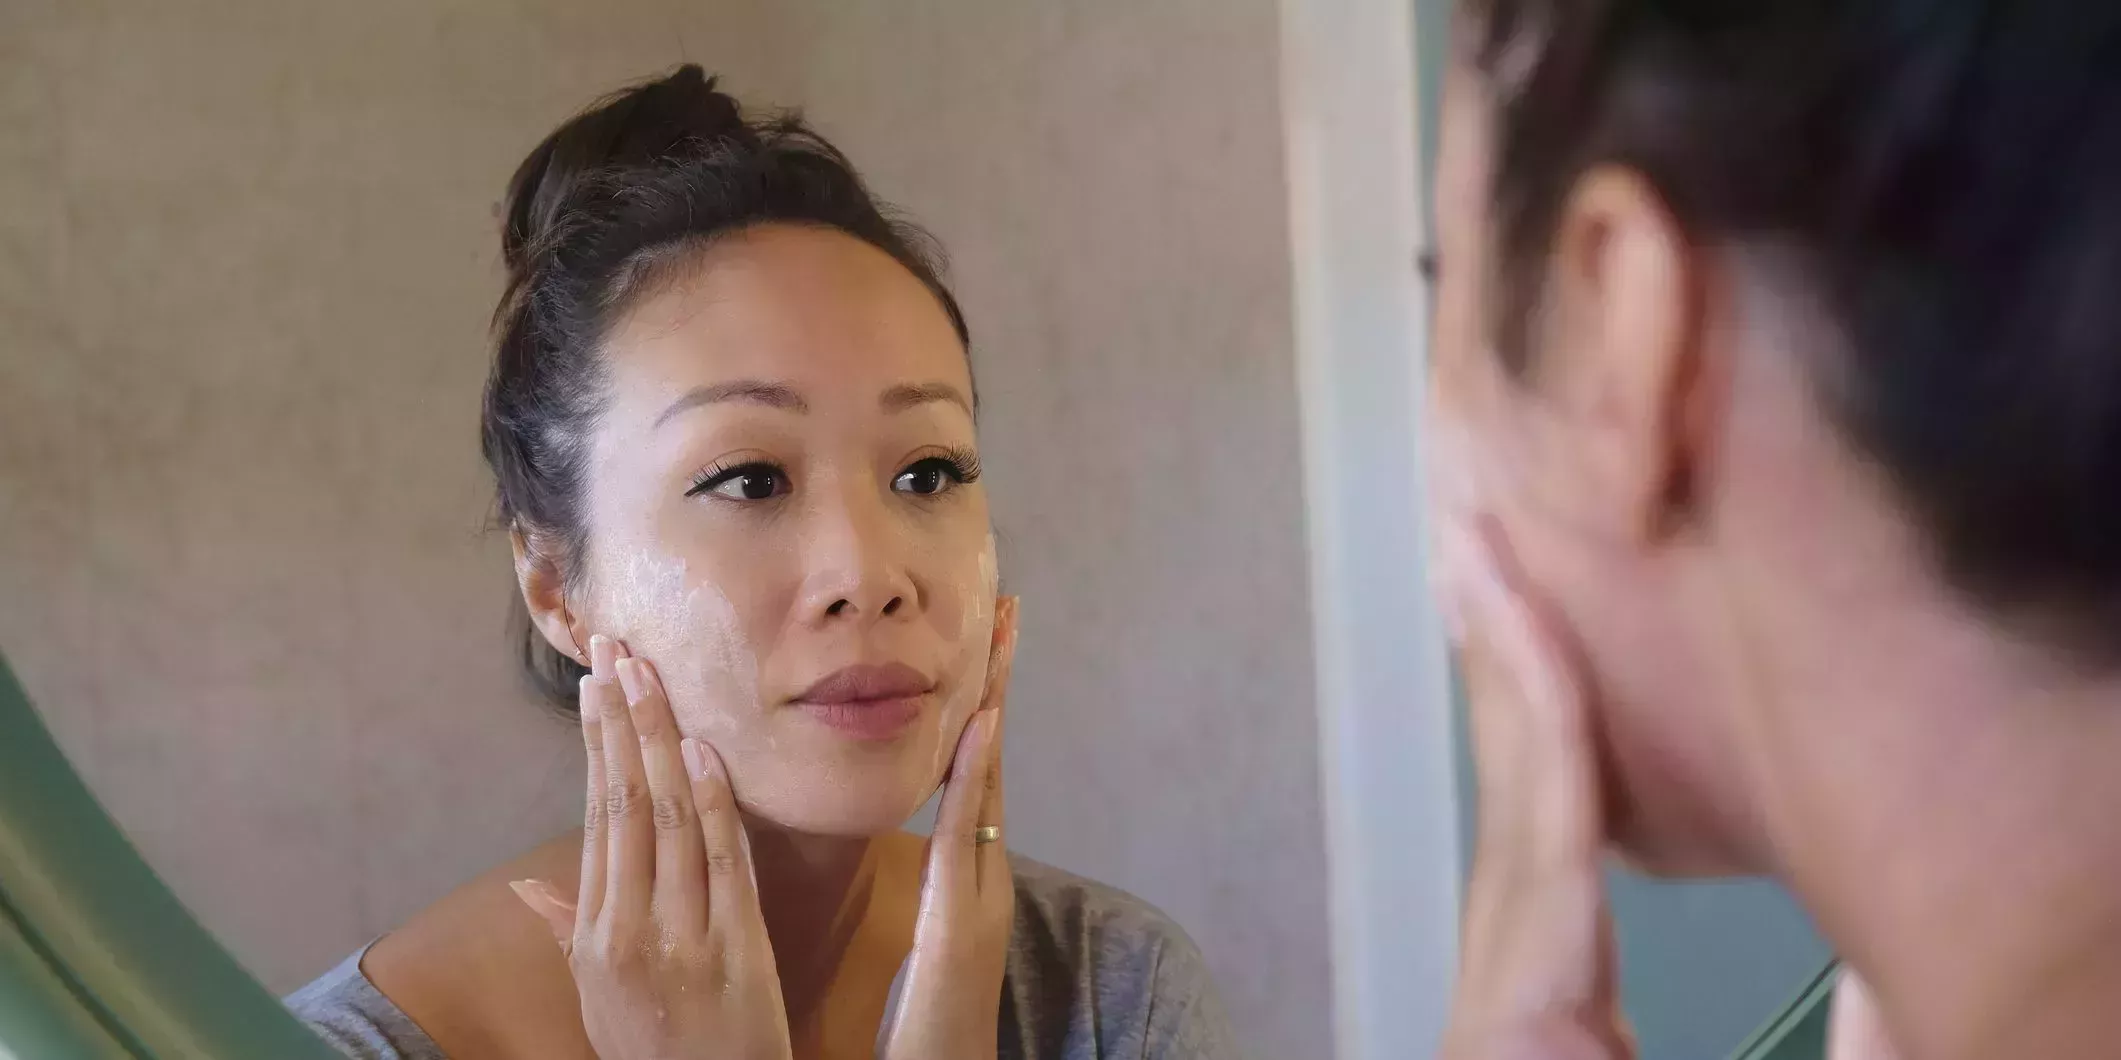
(1778, 359)
(731, 417)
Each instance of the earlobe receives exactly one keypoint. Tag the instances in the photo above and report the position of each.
(545, 596)
(1625, 288)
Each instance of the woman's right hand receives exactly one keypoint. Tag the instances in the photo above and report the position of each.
(665, 938)
(1537, 977)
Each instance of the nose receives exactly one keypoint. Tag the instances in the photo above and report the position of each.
(855, 566)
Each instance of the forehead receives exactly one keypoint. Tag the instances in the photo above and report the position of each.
(812, 307)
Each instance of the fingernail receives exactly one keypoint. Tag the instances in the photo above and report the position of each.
(695, 758)
(630, 680)
(601, 655)
(536, 894)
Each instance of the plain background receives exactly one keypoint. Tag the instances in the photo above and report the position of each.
(247, 255)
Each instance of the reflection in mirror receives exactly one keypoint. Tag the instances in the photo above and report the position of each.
(251, 583)
(731, 417)
(1773, 429)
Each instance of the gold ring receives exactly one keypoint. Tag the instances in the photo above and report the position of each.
(985, 834)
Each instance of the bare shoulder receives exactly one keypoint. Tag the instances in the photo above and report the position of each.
(480, 973)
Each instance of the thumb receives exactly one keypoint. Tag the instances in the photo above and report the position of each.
(555, 911)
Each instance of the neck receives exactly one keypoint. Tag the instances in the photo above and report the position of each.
(1942, 798)
(812, 893)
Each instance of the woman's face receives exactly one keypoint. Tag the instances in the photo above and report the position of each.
(783, 517)
(1538, 456)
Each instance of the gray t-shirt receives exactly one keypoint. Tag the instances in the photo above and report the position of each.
(1094, 974)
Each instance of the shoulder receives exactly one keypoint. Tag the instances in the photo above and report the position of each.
(1081, 921)
(475, 974)
(346, 1010)
(1096, 972)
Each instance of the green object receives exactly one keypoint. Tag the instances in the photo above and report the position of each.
(1799, 1033)
(97, 958)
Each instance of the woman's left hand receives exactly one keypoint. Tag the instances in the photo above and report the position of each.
(950, 1006)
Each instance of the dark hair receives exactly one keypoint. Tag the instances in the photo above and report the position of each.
(1947, 174)
(599, 213)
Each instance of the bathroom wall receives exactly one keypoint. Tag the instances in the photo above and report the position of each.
(246, 261)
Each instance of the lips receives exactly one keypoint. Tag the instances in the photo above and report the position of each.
(867, 702)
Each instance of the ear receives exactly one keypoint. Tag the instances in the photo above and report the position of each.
(545, 595)
(1623, 308)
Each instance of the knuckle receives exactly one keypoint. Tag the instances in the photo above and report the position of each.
(616, 951)
(672, 812)
(625, 800)
(650, 727)
(594, 951)
(721, 863)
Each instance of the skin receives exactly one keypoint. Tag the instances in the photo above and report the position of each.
(737, 847)
(1701, 631)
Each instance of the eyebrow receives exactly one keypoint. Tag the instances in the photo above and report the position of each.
(907, 395)
(758, 392)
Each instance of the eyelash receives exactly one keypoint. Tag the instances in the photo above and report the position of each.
(960, 464)
(718, 474)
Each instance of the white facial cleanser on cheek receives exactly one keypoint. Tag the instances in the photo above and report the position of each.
(690, 631)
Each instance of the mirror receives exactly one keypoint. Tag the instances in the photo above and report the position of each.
(247, 563)
(97, 959)
(250, 575)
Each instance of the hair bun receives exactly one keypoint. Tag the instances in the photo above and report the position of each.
(661, 122)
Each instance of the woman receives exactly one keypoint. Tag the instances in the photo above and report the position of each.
(731, 419)
(1778, 386)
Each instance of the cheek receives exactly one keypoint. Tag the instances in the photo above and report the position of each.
(680, 616)
(967, 590)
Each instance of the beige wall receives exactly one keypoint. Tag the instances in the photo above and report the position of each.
(246, 257)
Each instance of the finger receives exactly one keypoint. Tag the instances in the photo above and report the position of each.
(1533, 746)
(993, 858)
(953, 866)
(951, 861)
(680, 888)
(589, 703)
(545, 901)
(629, 867)
(1537, 873)
(732, 889)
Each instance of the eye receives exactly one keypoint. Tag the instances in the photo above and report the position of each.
(745, 482)
(937, 474)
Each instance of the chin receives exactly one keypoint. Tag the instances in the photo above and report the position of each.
(838, 799)
(844, 820)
